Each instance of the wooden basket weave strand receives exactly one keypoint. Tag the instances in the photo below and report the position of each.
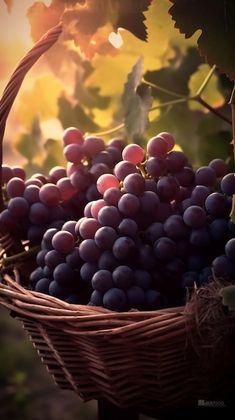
(150, 360)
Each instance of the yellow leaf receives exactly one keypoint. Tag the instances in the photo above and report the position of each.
(210, 94)
(41, 100)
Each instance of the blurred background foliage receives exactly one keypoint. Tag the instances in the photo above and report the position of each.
(84, 84)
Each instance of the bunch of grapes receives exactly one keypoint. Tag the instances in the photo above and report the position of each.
(125, 228)
(42, 202)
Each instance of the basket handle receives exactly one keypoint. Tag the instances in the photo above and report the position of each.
(15, 82)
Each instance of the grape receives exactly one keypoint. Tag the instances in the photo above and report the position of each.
(134, 184)
(129, 204)
(81, 180)
(35, 276)
(48, 272)
(41, 257)
(42, 286)
(189, 279)
(157, 147)
(185, 177)
(98, 169)
(216, 205)
(31, 194)
(63, 242)
(106, 181)
(53, 258)
(133, 153)
(196, 262)
(72, 136)
(146, 258)
(167, 187)
(105, 237)
(153, 232)
(222, 267)
(87, 271)
(163, 212)
(73, 258)
(70, 226)
(56, 173)
(128, 227)
(74, 153)
(118, 143)
(220, 167)
(66, 189)
(102, 281)
(15, 187)
(103, 158)
(33, 181)
(123, 277)
(96, 206)
(200, 237)
(142, 279)
(7, 174)
(18, 207)
(39, 214)
(96, 298)
(92, 146)
(112, 196)
(49, 194)
(39, 177)
(154, 300)
(205, 276)
(205, 176)
(35, 234)
(135, 296)
(124, 168)
(164, 249)
(88, 228)
(89, 251)
(115, 154)
(115, 299)
(219, 229)
(109, 216)
(227, 184)
(175, 227)
(194, 217)
(107, 261)
(199, 195)
(123, 248)
(149, 202)
(150, 185)
(169, 139)
(156, 166)
(73, 299)
(176, 161)
(230, 249)
(48, 235)
(92, 193)
(18, 172)
(56, 290)
(64, 275)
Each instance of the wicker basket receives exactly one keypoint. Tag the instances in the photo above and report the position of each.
(151, 360)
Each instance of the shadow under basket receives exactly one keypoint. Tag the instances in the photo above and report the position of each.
(155, 360)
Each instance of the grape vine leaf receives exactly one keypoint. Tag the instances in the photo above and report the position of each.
(228, 296)
(9, 4)
(74, 116)
(215, 20)
(89, 23)
(54, 155)
(30, 144)
(137, 101)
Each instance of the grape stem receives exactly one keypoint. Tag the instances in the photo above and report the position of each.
(24, 254)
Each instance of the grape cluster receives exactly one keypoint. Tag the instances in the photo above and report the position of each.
(42, 202)
(150, 227)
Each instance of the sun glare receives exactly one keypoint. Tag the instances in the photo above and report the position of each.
(115, 39)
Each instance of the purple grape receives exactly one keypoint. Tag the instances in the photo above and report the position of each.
(124, 168)
(216, 205)
(194, 217)
(205, 176)
(227, 184)
(149, 202)
(142, 279)
(156, 166)
(220, 167)
(102, 281)
(230, 249)
(136, 297)
(164, 249)
(18, 207)
(53, 258)
(105, 237)
(115, 299)
(87, 271)
(109, 216)
(199, 195)
(175, 227)
(88, 228)
(129, 204)
(128, 227)
(63, 242)
(89, 251)
(42, 286)
(167, 187)
(64, 275)
(123, 277)
(39, 214)
(15, 187)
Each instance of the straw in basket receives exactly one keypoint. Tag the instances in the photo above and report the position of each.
(152, 360)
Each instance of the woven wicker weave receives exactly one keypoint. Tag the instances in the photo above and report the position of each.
(150, 360)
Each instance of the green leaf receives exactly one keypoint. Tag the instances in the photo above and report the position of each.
(136, 102)
(75, 116)
(228, 295)
(29, 145)
(54, 154)
(215, 20)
